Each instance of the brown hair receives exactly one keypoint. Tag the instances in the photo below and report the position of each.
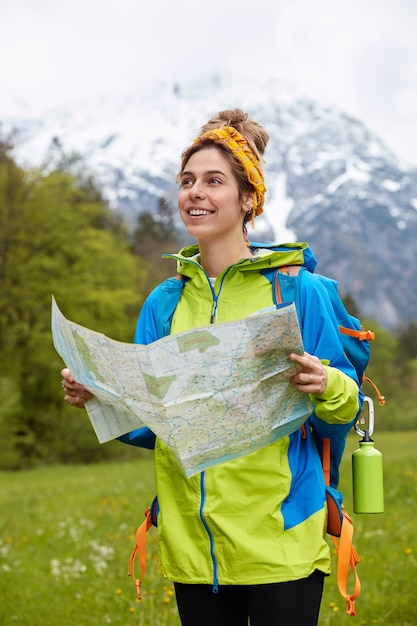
(254, 134)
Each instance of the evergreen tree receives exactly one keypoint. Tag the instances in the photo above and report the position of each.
(407, 342)
(351, 305)
(155, 235)
(57, 237)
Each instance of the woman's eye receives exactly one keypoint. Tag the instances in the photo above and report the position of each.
(186, 182)
(215, 181)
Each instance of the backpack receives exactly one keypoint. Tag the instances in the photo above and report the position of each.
(355, 341)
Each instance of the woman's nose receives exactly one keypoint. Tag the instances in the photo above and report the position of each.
(197, 190)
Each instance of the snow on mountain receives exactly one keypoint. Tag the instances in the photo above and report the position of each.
(330, 181)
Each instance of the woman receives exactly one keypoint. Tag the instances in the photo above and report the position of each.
(245, 540)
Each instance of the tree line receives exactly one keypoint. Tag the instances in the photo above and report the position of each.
(59, 237)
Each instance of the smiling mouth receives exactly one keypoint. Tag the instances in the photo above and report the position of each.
(199, 212)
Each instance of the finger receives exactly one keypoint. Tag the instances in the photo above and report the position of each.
(66, 375)
(306, 378)
(78, 391)
(74, 401)
(297, 358)
(304, 362)
(73, 388)
(77, 400)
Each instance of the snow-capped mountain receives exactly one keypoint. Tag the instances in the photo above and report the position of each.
(330, 181)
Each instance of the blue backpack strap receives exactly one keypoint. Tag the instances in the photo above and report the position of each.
(294, 286)
(355, 339)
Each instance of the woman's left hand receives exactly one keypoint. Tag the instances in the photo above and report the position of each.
(74, 393)
(311, 376)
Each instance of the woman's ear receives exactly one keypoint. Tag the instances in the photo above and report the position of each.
(247, 202)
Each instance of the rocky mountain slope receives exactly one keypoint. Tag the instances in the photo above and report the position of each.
(330, 181)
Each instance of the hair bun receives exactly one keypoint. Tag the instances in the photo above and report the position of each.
(254, 133)
(233, 117)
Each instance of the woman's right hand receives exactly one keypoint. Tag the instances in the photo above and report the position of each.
(74, 393)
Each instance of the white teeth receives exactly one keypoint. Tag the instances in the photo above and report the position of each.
(199, 212)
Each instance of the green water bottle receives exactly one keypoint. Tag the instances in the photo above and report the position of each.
(367, 475)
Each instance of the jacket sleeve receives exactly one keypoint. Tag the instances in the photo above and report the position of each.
(342, 400)
(339, 404)
(338, 408)
(146, 332)
(146, 328)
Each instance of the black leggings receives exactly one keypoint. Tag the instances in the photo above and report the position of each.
(295, 603)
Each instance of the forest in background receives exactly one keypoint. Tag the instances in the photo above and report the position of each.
(59, 237)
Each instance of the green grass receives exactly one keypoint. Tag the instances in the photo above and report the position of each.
(66, 534)
(386, 543)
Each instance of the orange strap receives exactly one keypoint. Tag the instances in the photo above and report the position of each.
(347, 557)
(326, 461)
(277, 287)
(381, 398)
(362, 335)
(346, 553)
(290, 270)
(140, 551)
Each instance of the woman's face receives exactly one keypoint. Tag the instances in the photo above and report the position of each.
(208, 199)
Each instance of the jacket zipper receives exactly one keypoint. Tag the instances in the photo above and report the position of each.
(215, 297)
(213, 317)
(208, 531)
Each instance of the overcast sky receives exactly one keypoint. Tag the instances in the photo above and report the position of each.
(360, 55)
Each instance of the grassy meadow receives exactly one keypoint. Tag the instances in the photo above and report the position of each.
(66, 533)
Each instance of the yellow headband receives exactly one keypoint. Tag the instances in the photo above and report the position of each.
(238, 145)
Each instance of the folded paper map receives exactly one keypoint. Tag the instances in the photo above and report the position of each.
(212, 394)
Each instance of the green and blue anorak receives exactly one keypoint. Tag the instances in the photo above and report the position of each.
(260, 518)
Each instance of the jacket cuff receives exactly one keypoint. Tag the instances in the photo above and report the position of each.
(340, 401)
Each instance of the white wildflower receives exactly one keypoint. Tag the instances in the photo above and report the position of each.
(55, 568)
(101, 556)
(70, 568)
(4, 550)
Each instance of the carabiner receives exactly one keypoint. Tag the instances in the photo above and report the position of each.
(371, 417)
